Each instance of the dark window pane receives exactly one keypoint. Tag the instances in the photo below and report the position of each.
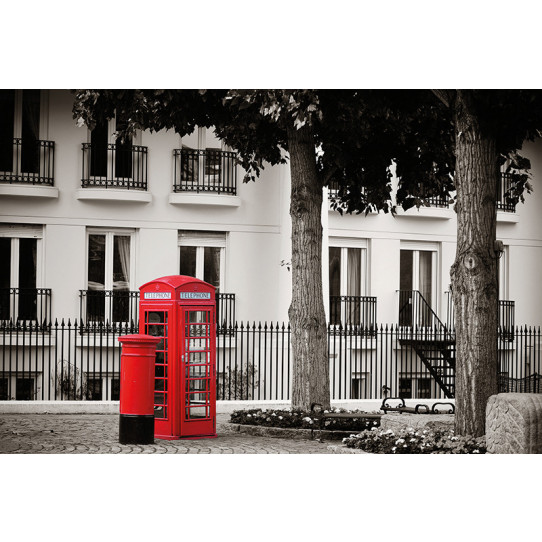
(25, 389)
(7, 126)
(30, 131)
(405, 388)
(123, 154)
(4, 389)
(211, 266)
(94, 389)
(96, 278)
(334, 285)
(27, 279)
(5, 276)
(424, 388)
(98, 150)
(96, 262)
(115, 389)
(188, 261)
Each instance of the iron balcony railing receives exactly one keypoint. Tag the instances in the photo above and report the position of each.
(352, 310)
(108, 306)
(507, 316)
(114, 166)
(27, 161)
(503, 187)
(25, 304)
(416, 311)
(205, 171)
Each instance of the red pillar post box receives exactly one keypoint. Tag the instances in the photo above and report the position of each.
(180, 312)
(136, 423)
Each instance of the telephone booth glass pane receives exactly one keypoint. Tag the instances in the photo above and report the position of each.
(197, 332)
(156, 325)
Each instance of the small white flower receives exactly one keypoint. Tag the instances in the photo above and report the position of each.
(393, 449)
(307, 419)
(475, 451)
(281, 418)
(249, 415)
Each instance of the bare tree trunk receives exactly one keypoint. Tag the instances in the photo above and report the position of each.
(474, 272)
(309, 330)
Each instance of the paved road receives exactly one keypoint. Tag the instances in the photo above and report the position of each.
(99, 434)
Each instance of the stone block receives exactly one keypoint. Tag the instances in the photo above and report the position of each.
(514, 423)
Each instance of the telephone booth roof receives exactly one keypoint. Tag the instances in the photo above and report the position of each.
(176, 281)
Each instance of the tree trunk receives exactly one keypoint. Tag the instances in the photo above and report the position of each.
(310, 382)
(474, 272)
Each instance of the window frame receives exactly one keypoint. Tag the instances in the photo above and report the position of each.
(420, 246)
(202, 240)
(15, 232)
(110, 234)
(43, 130)
(112, 140)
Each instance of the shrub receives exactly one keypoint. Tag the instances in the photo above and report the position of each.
(410, 441)
(300, 419)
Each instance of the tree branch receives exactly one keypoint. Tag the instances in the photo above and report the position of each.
(445, 96)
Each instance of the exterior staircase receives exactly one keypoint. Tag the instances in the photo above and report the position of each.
(423, 331)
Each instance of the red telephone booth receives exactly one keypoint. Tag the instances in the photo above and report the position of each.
(180, 311)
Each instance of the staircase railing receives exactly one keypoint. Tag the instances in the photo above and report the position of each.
(416, 313)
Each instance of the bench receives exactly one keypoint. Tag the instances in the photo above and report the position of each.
(418, 409)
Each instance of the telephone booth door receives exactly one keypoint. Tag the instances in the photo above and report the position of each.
(198, 350)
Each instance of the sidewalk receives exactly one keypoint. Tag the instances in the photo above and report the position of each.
(99, 434)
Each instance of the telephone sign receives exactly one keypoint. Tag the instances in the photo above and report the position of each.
(180, 311)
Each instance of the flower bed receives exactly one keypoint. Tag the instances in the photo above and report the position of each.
(411, 441)
(299, 419)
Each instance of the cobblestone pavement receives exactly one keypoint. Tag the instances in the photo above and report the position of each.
(99, 434)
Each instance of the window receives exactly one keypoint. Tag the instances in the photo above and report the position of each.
(359, 386)
(19, 388)
(202, 255)
(103, 387)
(417, 283)
(111, 163)
(20, 251)
(110, 261)
(415, 387)
(347, 283)
(24, 155)
(203, 164)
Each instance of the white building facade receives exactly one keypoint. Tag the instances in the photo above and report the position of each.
(85, 220)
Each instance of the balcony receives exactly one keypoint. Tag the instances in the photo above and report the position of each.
(108, 306)
(30, 162)
(350, 310)
(507, 314)
(225, 310)
(503, 187)
(205, 171)
(25, 304)
(122, 306)
(121, 166)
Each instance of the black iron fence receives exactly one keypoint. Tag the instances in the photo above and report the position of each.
(209, 170)
(118, 165)
(67, 361)
(25, 304)
(28, 161)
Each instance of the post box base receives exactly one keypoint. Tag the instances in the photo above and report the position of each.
(136, 429)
